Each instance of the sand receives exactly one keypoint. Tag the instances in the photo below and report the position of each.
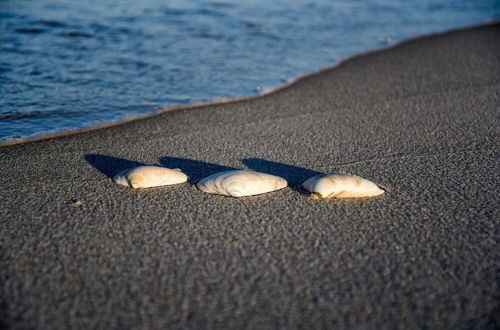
(420, 119)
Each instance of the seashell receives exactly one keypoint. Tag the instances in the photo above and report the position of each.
(239, 183)
(149, 176)
(341, 186)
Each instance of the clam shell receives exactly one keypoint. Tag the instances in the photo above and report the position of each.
(341, 186)
(149, 176)
(239, 183)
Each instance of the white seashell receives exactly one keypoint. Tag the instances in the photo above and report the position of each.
(341, 186)
(239, 183)
(149, 176)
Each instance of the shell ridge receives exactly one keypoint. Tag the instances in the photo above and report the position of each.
(239, 183)
(341, 186)
(149, 176)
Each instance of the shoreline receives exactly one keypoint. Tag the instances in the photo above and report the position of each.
(293, 81)
(419, 119)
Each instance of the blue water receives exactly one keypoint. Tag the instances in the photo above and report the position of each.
(67, 64)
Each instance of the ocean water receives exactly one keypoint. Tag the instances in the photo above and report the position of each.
(67, 64)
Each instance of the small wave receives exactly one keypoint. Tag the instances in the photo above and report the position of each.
(16, 50)
(21, 116)
(75, 34)
(138, 107)
(125, 19)
(198, 12)
(129, 63)
(50, 23)
(8, 15)
(257, 30)
(34, 114)
(30, 30)
(205, 35)
(222, 5)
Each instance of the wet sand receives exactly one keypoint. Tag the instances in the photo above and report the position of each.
(420, 119)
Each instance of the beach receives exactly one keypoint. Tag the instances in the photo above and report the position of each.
(420, 119)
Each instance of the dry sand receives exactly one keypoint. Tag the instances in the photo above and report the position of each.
(421, 119)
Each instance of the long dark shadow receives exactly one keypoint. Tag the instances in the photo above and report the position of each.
(109, 165)
(194, 169)
(293, 174)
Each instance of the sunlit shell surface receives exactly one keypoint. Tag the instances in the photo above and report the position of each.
(341, 186)
(239, 183)
(149, 176)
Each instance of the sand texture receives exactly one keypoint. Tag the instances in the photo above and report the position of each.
(420, 120)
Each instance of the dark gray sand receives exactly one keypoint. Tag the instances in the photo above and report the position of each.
(421, 119)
